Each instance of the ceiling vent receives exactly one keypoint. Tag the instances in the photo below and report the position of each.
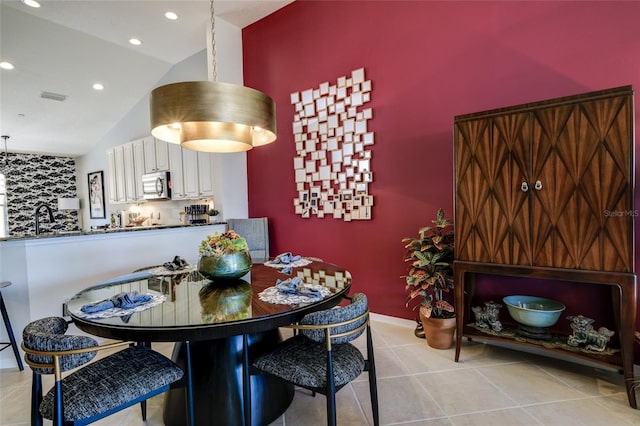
(53, 96)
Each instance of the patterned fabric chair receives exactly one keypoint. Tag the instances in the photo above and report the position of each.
(256, 232)
(97, 389)
(321, 358)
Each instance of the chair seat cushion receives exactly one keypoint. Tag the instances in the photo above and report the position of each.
(303, 362)
(111, 382)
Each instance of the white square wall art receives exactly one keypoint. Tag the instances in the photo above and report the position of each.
(330, 129)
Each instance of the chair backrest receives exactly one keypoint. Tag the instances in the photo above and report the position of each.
(47, 334)
(355, 309)
(256, 232)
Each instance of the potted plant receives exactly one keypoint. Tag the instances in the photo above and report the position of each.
(224, 256)
(430, 277)
(212, 213)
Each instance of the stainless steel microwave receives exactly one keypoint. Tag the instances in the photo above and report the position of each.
(156, 186)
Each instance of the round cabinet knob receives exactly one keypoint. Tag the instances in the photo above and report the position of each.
(538, 185)
(524, 187)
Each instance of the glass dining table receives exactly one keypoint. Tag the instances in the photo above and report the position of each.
(214, 317)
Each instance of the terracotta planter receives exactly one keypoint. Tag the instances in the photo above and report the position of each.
(438, 331)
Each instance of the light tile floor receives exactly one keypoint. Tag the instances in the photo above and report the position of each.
(420, 386)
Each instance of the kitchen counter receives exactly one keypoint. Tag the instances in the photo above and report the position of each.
(49, 269)
(58, 234)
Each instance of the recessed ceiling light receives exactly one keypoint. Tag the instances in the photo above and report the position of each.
(98, 86)
(6, 65)
(171, 15)
(135, 41)
(31, 3)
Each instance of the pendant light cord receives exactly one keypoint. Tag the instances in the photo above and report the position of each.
(214, 70)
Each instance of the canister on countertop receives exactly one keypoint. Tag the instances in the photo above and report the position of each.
(124, 218)
(183, 218)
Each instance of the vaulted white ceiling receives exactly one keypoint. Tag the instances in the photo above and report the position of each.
(65, 46)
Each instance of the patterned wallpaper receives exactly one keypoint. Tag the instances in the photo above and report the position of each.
(34, 179)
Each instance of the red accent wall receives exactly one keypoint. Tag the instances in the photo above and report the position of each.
(428, 62)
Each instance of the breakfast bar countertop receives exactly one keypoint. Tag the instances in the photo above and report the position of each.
(47, 271)
(58, 234)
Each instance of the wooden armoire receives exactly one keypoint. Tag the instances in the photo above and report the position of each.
(545, 190)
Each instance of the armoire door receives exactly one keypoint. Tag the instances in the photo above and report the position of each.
(548, 185)
(582, 211)
(492, 195)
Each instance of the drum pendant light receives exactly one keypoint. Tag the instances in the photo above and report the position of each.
(212, 116)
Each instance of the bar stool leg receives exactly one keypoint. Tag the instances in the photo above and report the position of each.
(12, 339)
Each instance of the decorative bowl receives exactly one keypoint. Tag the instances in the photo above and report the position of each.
(228, 266)
(139, 220)
(229, 301)
(533, 311)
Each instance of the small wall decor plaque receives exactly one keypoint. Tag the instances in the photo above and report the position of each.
(333, 145)
(96, 196)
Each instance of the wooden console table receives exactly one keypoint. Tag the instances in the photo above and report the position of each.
(623, 291)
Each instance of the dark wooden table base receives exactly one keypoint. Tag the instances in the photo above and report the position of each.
(217, 384)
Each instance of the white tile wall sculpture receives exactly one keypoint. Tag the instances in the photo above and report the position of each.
(333, 143)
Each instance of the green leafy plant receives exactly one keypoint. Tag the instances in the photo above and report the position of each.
(430, 258)
(220, 244)
(213, 212)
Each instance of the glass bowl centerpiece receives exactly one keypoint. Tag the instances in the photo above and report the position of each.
(224, 256)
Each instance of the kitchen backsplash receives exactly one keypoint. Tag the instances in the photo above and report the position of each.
(34, 179)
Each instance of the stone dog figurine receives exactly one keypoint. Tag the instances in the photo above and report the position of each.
(585, 334)
(487, 317)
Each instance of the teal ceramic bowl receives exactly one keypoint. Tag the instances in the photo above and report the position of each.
(533, 311)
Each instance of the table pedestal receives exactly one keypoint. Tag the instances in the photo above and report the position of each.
(217, 383)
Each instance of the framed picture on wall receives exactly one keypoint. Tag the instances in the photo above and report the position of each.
(96, 196)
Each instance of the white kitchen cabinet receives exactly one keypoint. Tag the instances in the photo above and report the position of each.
(119, 172)
(156, 154)
(162, 155)
(133, 158)
(205, 174)
(190, 173)
(128, 173)
(138, 169)
(111, 172)
(175, 167)
(149, 148)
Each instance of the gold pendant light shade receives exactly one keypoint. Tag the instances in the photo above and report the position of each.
(212, 116)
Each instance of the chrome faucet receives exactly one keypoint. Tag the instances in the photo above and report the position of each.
(38, 208)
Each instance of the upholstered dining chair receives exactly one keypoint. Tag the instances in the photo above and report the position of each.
(320, 358)
(95, 389)
(256, 232)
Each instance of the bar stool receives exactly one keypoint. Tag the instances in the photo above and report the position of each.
(7, 325)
